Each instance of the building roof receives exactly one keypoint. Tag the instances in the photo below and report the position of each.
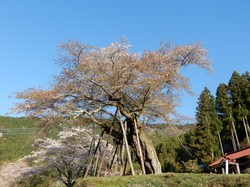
(231, 157)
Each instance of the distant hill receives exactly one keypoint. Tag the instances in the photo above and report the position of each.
(167, 130)
(18, 134)
(16, 137)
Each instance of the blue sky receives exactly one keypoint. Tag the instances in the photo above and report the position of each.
(31, 30)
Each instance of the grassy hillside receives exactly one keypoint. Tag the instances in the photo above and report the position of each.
(16, 139)
(17, 136)
(172, 180)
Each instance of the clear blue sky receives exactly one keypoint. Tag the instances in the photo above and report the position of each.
(31, 30)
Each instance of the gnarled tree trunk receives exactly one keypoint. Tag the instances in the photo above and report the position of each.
(152, 164)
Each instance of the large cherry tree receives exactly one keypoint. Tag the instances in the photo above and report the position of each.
(113, 83)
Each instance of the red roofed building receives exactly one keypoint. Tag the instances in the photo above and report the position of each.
(232, 161)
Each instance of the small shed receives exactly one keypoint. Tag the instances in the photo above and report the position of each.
(232, 161)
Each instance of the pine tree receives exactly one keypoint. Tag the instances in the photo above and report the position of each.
(224, 110)
(245, 88)
(238, 91)
(205, 140)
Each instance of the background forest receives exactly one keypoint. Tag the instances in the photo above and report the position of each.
(224, 116)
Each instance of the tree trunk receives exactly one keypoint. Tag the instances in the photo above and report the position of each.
(246, 130)
(152, 164)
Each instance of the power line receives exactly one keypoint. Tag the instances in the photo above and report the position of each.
(18, 130)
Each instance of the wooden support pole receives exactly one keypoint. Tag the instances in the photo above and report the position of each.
(113, 158)
(93, 157)
(108, 165)
(126, 144)
(122, 157)
(97, 161)
(107, 144)
(102, 159)
(140, 149)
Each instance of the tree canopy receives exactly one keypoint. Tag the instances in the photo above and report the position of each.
(113, 83)
(94, 79)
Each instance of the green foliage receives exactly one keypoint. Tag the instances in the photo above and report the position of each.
(166, 154)
(232, 103)
(224, 110)
(17, 137)
(239, 93)
(167, 151)
(204, 142)
(35, 180)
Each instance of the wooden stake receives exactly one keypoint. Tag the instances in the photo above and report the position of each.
(122, 157)
(126, 144)
(113, 158)
(107, 143)
(139, 147)
(92, 159)
(97, 161)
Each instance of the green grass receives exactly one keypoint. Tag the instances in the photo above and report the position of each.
(161, 180)
(170, 179)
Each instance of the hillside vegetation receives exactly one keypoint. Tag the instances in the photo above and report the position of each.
(17, 136)
(169, 179)
(16, 139)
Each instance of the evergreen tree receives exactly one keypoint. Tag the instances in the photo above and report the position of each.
(205, 140)
(167, 152)
(224, 110)
(245, 88)
(238, 91)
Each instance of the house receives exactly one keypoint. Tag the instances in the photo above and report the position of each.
(234, 162)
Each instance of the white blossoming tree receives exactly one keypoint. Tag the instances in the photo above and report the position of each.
(66, 158)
